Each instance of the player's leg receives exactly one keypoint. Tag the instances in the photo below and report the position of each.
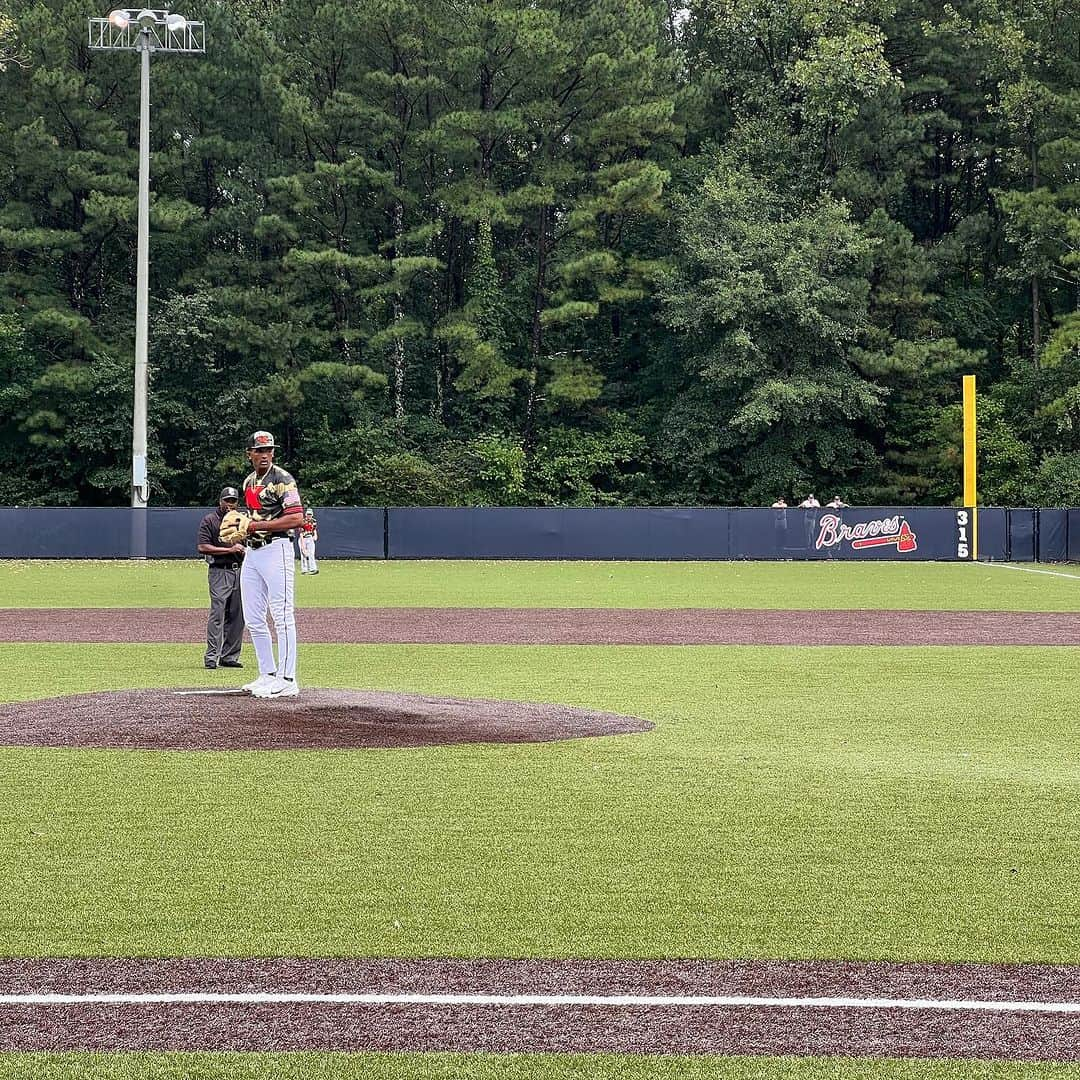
(234, 621)
(312, 561)
(279, 580)
(254, 595)
(280, 583)
(215, 622)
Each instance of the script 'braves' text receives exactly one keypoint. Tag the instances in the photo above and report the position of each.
(866, 534)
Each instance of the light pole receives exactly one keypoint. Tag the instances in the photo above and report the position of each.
(144, 30)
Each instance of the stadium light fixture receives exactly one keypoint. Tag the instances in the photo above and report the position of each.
(145, 31)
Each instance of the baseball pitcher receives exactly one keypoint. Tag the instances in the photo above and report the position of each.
(274, 509)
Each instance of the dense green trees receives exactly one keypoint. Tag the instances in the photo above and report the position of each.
(568, 251)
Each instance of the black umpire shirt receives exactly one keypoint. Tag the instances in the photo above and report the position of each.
(209, 533)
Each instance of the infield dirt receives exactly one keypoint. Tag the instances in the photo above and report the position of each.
(565, 626)
(990, 1033)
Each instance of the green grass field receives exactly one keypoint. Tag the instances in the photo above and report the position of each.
(791, 802)
(509, 1067)
(840, 802)
(917, 586)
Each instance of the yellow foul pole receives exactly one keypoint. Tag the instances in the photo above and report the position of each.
(970, 494)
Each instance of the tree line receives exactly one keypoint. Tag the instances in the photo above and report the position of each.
(537, 252)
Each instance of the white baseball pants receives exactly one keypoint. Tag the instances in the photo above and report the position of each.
(266, 587)
(308, 565)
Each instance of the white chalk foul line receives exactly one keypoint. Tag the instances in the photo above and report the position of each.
(1032, 570)
(512, 1000)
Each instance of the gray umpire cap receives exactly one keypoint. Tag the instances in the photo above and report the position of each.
(229, 493)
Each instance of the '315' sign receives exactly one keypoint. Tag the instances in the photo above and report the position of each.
(963, 534)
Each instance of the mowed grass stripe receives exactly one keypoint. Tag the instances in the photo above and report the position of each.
(858, 803)
(775, 586)
(445, 1066)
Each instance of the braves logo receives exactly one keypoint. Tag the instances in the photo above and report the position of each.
(882, 532)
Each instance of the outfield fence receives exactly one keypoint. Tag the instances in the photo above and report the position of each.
(936, 533)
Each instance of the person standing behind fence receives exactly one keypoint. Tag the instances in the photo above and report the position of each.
(309, 534)
(810, 506)
(780, 509)
(225, 625)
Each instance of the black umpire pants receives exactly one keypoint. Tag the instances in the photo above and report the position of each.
(225, 626)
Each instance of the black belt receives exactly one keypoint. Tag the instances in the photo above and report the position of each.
(257, 542)
(225, 565)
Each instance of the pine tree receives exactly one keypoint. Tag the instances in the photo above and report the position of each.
(771, 301)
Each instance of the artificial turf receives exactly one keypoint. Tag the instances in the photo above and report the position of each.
(240, 1066)
(865, 803)
(895, 585)
(832, 802)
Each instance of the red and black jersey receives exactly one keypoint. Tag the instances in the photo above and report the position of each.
(273, 496)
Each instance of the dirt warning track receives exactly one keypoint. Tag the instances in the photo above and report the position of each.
(565, 626)
(1020, 1013)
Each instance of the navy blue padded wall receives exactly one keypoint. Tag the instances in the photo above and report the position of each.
(1052, 535)
(993, 533)
(1022, 535)
(65, 532)
(1074, 535)
(557, 533)
(552, 533)
(860, 532)
(669, 533)
(350, 532)
(117, 532)
(172, 532)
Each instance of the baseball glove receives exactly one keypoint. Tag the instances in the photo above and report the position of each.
(234, 527)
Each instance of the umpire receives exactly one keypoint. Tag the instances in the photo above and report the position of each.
(225, 627)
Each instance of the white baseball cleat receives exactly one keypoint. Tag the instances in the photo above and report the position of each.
(278, 688)
(260, 683)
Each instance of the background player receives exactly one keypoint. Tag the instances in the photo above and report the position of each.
(309, 533)
(266, 581)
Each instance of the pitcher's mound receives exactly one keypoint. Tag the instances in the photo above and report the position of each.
(316, 720)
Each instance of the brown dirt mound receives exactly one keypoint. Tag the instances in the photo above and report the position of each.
(316, 720)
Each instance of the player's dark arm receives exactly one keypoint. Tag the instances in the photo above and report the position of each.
(282, 524)
(217, 549)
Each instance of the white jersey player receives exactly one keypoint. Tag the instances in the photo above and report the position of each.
(309, 535)
(266, 581)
